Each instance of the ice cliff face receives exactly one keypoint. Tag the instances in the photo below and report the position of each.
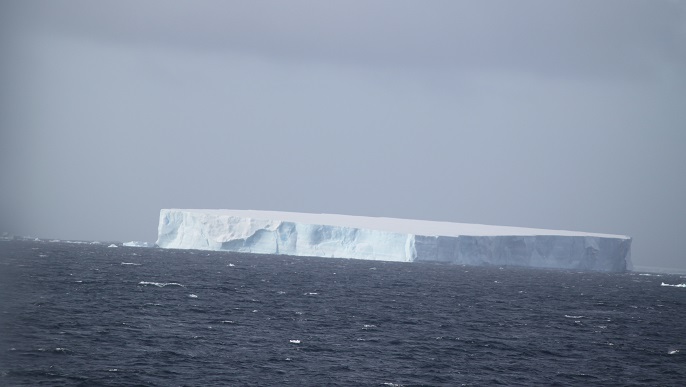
(340, 236)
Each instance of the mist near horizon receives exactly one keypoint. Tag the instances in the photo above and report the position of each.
(566, 115)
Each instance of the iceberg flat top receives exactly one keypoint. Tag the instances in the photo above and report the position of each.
(405, 226)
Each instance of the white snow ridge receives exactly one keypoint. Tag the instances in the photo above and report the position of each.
(388, 239)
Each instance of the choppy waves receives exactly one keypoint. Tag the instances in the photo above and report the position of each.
(85, 314)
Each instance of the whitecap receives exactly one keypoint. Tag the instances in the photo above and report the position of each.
(192, 296)
(675, 285)
(131, 263)
(112, 245)
(568, 316)
(294, 341)
(672, 351)
(138, 244)
(161, 284)
(311, 294)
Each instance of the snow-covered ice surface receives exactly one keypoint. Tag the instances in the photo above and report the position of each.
(389, 239)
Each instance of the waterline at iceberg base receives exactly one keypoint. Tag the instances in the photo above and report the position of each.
(389, 239)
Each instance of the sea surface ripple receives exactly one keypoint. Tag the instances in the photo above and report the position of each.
(84, 315)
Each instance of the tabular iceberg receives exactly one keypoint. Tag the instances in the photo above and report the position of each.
(388, 239)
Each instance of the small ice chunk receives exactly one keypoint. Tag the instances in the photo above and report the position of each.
(675, 285)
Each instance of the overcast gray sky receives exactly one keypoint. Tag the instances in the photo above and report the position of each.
(550, 114)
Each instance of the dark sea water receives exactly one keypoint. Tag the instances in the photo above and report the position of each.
(89, 315)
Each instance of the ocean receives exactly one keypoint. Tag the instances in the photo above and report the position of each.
(90, 315)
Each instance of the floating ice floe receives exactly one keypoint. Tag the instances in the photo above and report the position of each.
(675, 285)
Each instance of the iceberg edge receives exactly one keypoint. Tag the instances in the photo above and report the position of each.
(387, 239)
